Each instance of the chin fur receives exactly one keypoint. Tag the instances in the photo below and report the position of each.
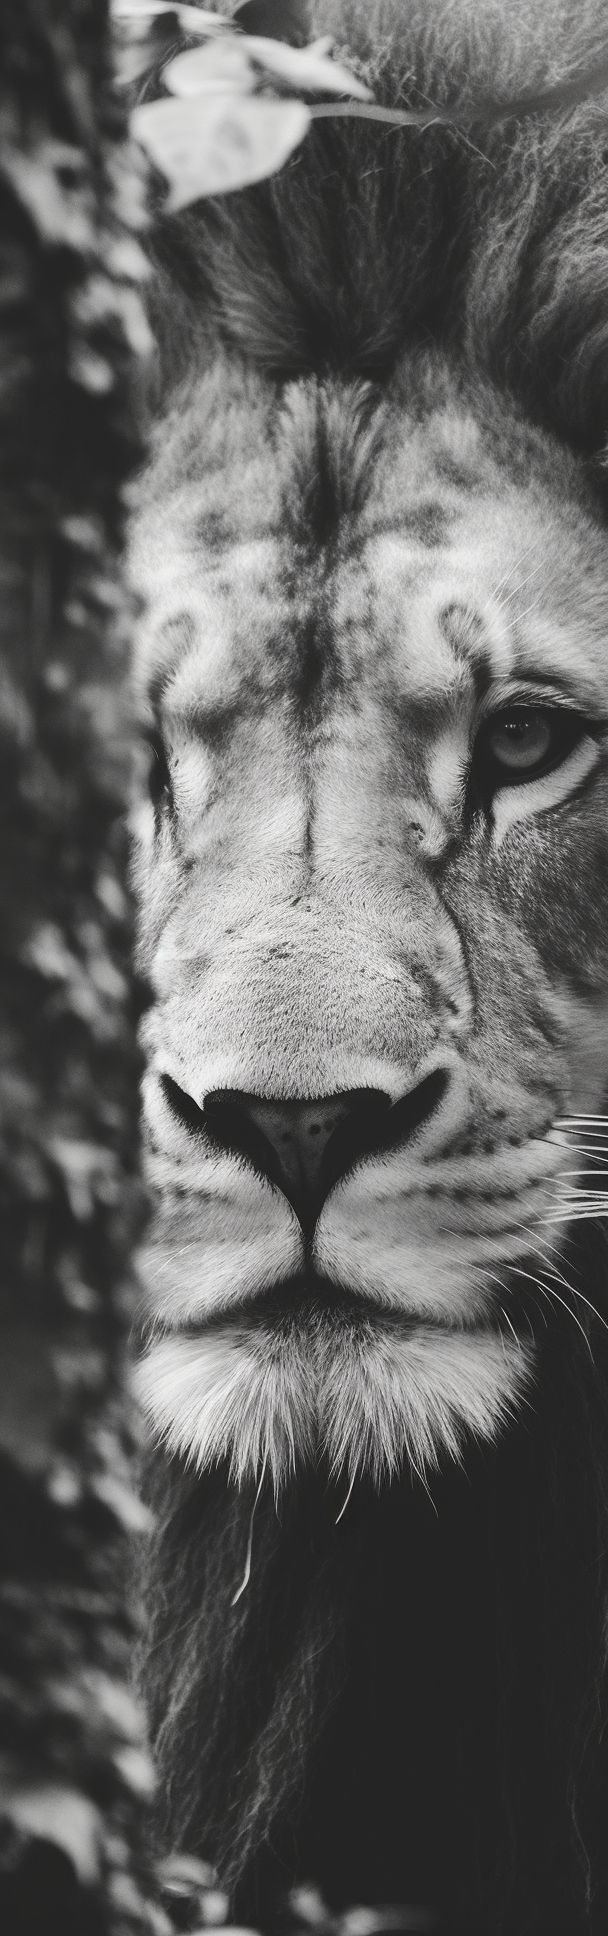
(367, 1399)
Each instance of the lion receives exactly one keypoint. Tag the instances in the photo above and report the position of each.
(373, 888)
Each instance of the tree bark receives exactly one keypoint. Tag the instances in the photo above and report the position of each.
(74, 1775)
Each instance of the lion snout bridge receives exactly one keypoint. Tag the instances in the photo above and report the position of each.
(304, 1146)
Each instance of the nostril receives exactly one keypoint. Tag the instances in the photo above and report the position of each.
(225, 1124)
(183, 1107)
(416, 1108)
(231, 1126)
(375, 1130)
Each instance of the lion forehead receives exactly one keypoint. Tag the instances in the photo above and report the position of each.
(323, 528)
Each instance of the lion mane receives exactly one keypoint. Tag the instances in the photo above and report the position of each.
(376, 1592)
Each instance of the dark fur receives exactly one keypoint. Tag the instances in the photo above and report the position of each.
(480, 1634)
(451, 1654)
(495, 245)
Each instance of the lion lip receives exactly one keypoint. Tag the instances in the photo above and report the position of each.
(299, 1297)
(307, 1301)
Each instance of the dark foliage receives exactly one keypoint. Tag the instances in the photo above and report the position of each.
(73, 1772)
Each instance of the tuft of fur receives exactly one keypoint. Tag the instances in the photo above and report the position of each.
(365, 1398)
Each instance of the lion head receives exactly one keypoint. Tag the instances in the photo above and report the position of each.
(375, 902)
(373, 886)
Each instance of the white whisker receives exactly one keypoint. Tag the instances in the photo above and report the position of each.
(348, 1497)
(423, 1482)
(576, 1216)
(580, 1122)
(247, 1573)
(507, 1320)
(550, 1292)
(572, 1288)
(591, 1172)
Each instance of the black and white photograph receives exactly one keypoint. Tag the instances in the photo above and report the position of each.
(304, 967)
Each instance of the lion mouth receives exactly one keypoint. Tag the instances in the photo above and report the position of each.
(304, 1303)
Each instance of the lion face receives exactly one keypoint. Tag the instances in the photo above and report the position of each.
(374, 907)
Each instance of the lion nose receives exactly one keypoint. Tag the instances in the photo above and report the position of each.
(299, 1133)
(306, 1146)
(288, 1140)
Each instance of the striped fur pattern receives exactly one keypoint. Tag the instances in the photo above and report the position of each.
(372, 543)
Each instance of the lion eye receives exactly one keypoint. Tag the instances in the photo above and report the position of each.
(520, 739)
(525, 741)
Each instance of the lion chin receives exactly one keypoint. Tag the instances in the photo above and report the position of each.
(363, 1398)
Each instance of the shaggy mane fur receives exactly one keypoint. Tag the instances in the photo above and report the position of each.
(474, 1621)
(493, 244)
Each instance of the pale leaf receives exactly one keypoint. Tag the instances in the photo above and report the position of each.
(141, 9)
(141, 45)
(237, 63)
(186, 1872)
(221, 67)
(229, 1929)
(137, 1771)
(52, 1813)
(322, 46)
(193, 20)
(125, 1504)
(305, 68)
(222, 143)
